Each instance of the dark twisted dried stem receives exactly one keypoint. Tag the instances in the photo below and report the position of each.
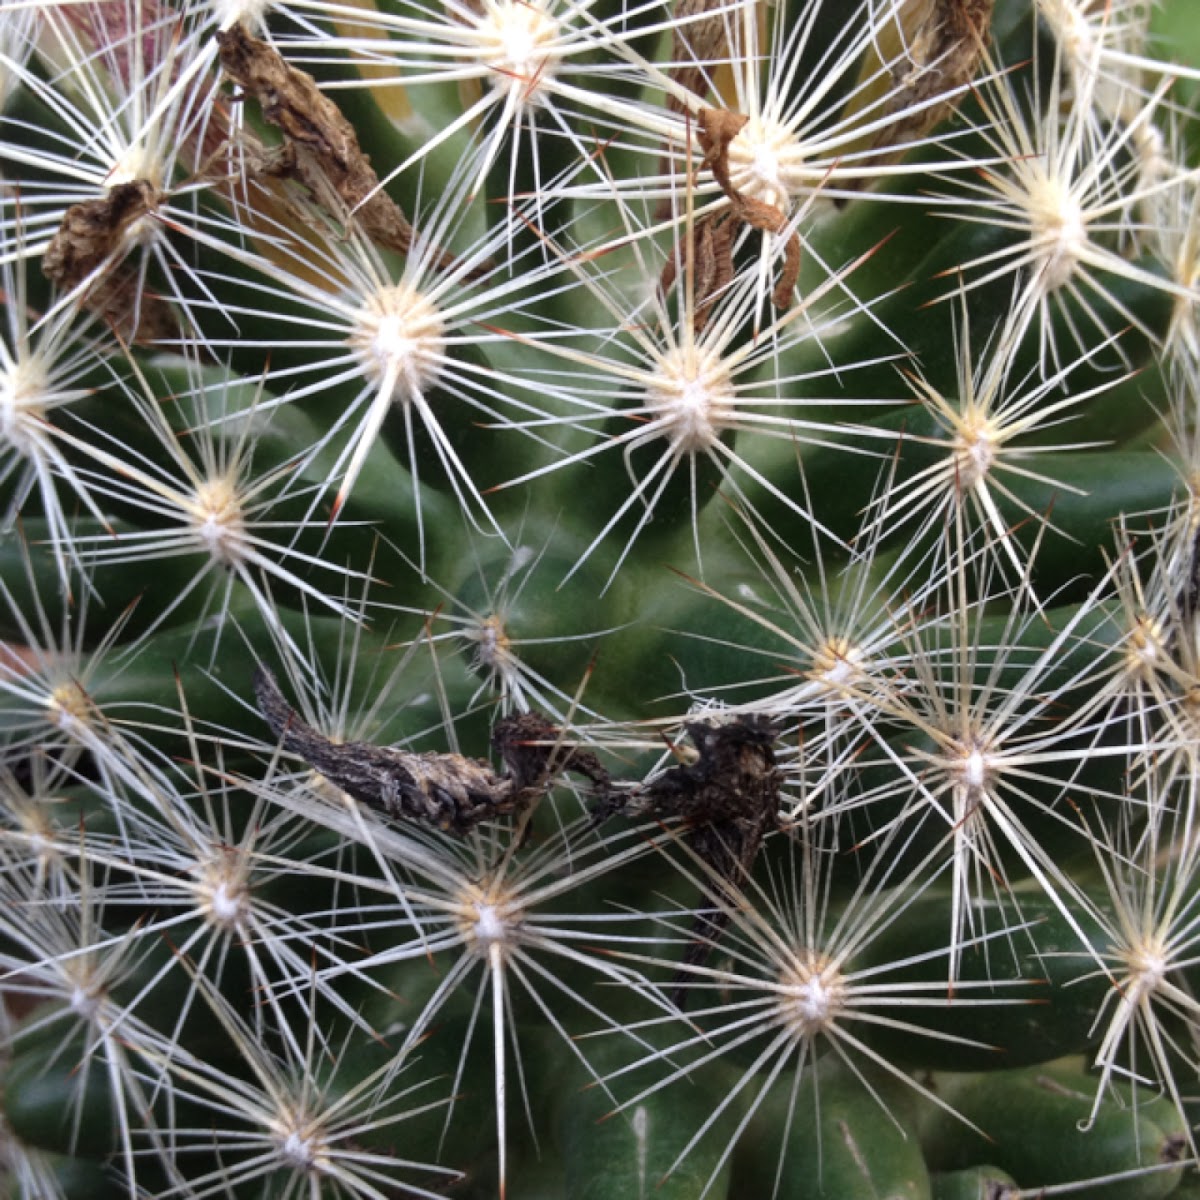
(449, 791)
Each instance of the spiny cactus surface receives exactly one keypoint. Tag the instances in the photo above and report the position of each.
(599, 599)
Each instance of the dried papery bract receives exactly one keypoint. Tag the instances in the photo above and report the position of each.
(699, 46)
(85, 254)
(714, 236)
(320, 146)
(114, 221)
(942, 48)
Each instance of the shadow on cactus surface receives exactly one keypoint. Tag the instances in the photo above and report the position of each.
(599, 600)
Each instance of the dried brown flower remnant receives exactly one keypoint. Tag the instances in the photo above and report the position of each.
(91, 243)
(321, 148)
(95, 232)
(698, 42)
(717, 129)
(728, 799)
(941, 54)
(449, 791)
(713, 238)
(727, 802)
(711, 267)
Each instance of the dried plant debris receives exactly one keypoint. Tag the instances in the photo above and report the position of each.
(717, 129)
(715, 235)
(727, 801)
(95, 233)
(321, 149)
(449, 791)
(87, 252)
(699, 42)
(943, 50)
(710, 270)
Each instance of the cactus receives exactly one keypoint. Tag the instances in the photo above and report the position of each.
(599, 600)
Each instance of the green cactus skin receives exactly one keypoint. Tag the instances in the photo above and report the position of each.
(1043, 1112)
(974, 1183)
